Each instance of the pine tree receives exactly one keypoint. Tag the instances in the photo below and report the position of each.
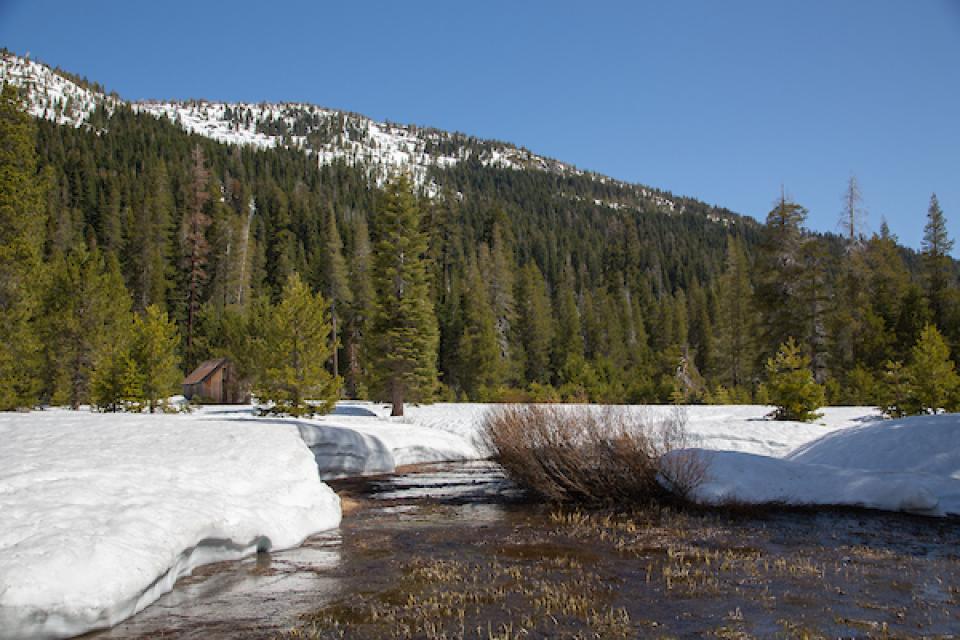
(934, 383)
(567, 340)
(780, 272)
(849, 306)
(791, 386)
(154, 351)
(22, 225)
(701, 331)
(117, 383)
(86, 314)
(224, 239)
(360, 309)
(281, 241)
(444, 250)
(895, 390)
(479, 348)
(737, 321)
(534, 324)
(886, 274)
(882, 288)
(335, 286)
(915, 314)
(591, 323)
(297, 346)
(150, 245)
(938, 267)
(501, 283)
(812, 294)
(244, 332)
(403, 340)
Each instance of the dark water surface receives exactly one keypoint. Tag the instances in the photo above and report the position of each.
(452, 551)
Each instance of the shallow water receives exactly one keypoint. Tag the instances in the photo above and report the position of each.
(453, 551)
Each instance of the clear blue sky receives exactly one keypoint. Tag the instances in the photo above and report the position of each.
(723, 101)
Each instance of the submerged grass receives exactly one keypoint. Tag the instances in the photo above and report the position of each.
(495, 599)
(657, 572)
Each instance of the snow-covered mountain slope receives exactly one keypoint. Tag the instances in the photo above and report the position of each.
(51, 94)
(328, 134)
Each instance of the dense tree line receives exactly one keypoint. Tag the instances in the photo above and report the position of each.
(131, 251)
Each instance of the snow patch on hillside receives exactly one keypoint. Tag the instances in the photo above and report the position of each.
(329, 135)
(50, 95)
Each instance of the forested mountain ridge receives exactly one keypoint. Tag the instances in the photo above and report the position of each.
(327, 135)
(540, 281)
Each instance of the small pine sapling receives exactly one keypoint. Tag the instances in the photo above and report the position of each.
(791, 386)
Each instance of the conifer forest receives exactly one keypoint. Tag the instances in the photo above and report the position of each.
(133, 251)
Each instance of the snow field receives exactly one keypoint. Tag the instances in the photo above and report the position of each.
(100, 514)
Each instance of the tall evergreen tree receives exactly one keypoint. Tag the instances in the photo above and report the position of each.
(480, 368)
(86, 313)
(534, 323)
(938, 267)
(701, 330)
(813, 295)
(150, 242)
(359, 310)
(737, 321)
(501, 283)
(847, 312)
(293, 375)
(567, 339)
(154, 352)
(22, 224)
(335, 287)
(403, 340)
(781, 269)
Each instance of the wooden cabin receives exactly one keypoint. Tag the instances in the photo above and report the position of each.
(214, 381)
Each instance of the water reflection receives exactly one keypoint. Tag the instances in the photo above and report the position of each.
(269, 592)
(247, 598)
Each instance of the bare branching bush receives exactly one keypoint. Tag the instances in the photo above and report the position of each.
(593, 454)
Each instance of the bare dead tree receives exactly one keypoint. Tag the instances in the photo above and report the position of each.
(194, 237)
(853, 218)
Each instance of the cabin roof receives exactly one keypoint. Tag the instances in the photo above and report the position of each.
(203, 371)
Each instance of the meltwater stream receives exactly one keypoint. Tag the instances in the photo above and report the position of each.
(454, 549)
(265, 595)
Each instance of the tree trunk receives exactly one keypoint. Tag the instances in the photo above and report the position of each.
(333, 334)
(353, 366)
(397, 397)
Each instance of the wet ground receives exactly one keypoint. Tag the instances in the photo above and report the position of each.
(452, 551)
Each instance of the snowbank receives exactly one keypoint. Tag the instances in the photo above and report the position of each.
(100, 514)
(361, 438)
(722, 427)
(921, 444)
(746, 428)
(909, 465)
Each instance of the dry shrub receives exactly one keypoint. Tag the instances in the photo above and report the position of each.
(593, 454)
